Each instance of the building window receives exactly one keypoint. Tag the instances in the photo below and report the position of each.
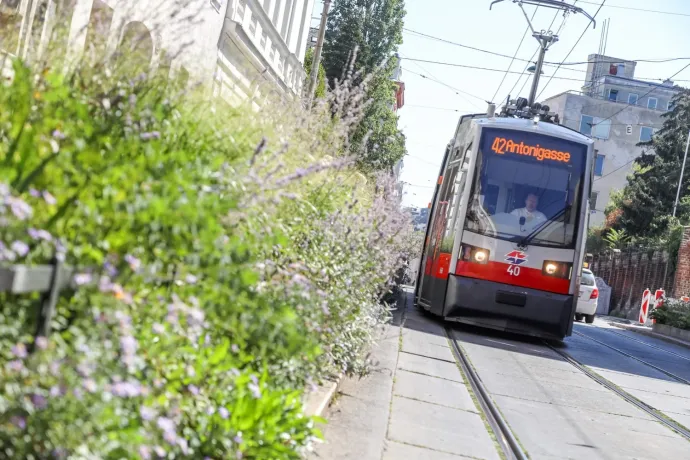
(593, 202)
(595, 127)
(586, 123)
(652, 103)
(646, 134)
(632, 98)
(216, 4)
(601, 128)
(613, 95)
(599, 165)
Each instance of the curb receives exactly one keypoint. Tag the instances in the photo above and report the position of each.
(649, 333)
(317, 401)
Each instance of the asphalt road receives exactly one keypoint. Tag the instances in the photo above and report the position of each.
(557, 411)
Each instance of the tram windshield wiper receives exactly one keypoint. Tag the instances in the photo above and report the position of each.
(525, 241)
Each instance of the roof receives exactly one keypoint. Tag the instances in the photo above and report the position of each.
(642, 82)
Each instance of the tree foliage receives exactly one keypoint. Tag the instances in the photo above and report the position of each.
(320, 90)
(644, 208)
(361, 39)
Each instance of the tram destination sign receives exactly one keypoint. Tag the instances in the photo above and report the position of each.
(502, 145)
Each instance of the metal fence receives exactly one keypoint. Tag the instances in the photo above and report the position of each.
(630, 271)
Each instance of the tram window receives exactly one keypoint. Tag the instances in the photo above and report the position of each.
(507, 187)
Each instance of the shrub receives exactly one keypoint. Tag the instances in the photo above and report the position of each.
(674, 312)
(227, 259)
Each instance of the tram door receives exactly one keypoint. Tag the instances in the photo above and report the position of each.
(440, 236)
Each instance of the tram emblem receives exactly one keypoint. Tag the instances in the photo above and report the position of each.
(516, 257)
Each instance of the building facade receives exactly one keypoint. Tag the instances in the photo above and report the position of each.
(618, 112)
(242, 48)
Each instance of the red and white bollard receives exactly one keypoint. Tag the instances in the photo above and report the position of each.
(644, 308)
(658, 301)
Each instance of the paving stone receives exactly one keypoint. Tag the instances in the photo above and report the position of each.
(437, 427)
(433, 390)
(429, 366)
(398, 451)
(420, 346)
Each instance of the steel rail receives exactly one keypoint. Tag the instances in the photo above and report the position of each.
(505, 437)
(663, 371)
(663, 419)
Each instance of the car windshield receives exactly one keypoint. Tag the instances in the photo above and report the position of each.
(527, 188)
(588, 279)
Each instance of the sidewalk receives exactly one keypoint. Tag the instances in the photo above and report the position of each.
(414, 405)
(641, 329)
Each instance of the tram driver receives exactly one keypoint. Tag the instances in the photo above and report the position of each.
(533, 217)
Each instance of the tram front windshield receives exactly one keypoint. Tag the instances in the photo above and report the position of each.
(527, 188)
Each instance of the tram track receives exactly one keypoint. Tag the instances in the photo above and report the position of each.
(653, 366)
(647, 344)
(655, 413)
(504, 435)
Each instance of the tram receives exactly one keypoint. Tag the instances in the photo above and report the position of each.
(507, 227)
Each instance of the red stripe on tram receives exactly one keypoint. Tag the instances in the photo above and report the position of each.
(525, 277)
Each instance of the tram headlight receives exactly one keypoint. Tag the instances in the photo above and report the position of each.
(474, 254)
(557, 269)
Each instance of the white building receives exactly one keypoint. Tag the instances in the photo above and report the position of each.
(246, 48)
(618, 111)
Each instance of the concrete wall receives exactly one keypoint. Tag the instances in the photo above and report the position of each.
(619, 149)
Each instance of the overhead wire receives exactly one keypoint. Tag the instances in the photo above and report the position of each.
(673, 13)
(436, 108)
(458, 91)
(573, 48)
(527, 29)
(488, 69)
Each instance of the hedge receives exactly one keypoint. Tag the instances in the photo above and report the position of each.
(228, 260)
(673, 312)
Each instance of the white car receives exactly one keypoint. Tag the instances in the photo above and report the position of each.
(589, 295)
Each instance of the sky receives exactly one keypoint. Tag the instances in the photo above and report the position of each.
(432, 108)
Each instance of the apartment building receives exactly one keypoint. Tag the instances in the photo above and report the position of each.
(618, 111)
(242, 48)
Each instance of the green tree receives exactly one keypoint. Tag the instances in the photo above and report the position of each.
(646, 203)
(321, 78)
(362, 37)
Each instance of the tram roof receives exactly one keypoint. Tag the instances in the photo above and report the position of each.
(524, 124)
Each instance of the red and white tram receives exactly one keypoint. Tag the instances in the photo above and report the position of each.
(507, 229)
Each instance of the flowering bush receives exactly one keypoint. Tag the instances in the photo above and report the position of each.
(226, 260)
(673, 312)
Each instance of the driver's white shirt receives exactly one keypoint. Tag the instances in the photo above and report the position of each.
(531, 218)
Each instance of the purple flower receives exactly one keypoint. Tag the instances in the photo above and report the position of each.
(110, 269)
(133, 262)
(19, 351)
(50, 199)
(15, 366)
(128, 345)
(170, 437)
(191, 279)
(41, 343)
(57, 134)
(165, 424)
(20, 248)
(238, 438)
(82, 278)
(256, 391)
(18, 421)
(224, 413)
(90, 385)
(55, 391)
(34, 193)
(159, 451)
(84, 369)
(193, 389)
(54, 368)
(158, 328)
(105, 285)
(19, 208)
(39, 401)
(235, 348)
(145, 452)
(183, 445)
(40, 234)
(147, 413)
(126, 389)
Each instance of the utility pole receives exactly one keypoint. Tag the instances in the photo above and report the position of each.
(680, 181)
(316, 61)
(545, 40)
